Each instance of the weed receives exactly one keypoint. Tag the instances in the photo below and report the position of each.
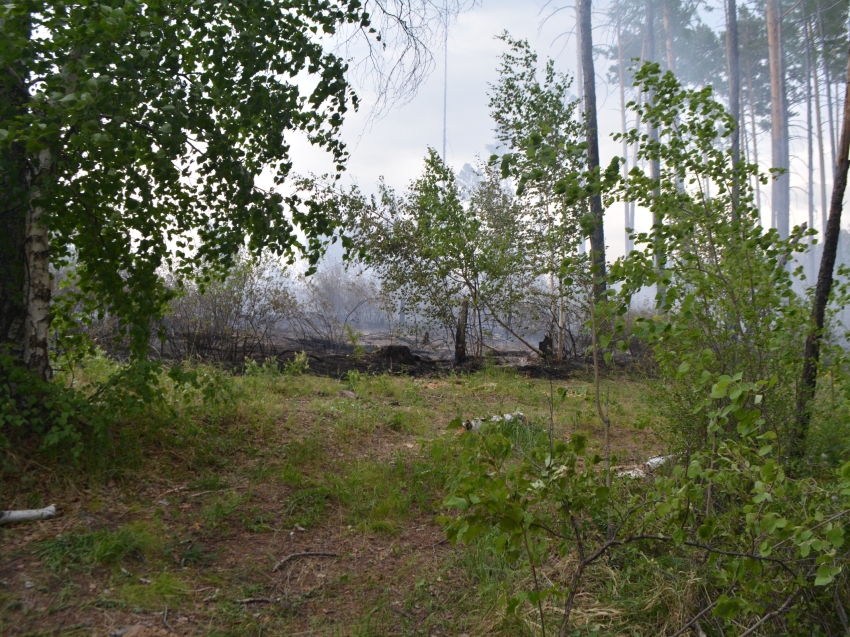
(256, 521)
(399, 422)
(216, 513)
(269, 368)
(297, 366)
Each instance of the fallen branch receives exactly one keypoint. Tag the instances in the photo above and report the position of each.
(258, 600)
(294, 556)
(197, 495)
(174, 490)
(28, 515)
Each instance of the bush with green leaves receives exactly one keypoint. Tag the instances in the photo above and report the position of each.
(765, 538)
(769, 550)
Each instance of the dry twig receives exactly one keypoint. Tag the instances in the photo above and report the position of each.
(294, 556)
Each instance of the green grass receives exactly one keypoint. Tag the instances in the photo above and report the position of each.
(305, 507)
(165, 589)
(99, 548)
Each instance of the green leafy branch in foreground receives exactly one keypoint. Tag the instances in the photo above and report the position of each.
(761, 544)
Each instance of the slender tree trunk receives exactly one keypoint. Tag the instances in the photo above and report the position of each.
(781, 187)
(654, 165)
(629, 224)
(828, 86)
(821, 153)
(754, 134)
(668, 35)
(597, 238)
(810, 164)
(460, 334)
(734, 90)
(809, 379)
(38, 289)
(579, 72)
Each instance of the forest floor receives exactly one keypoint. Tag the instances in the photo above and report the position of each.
(294, 505)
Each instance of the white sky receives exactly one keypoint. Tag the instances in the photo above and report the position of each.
(394, 146)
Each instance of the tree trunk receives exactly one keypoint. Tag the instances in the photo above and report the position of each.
(781, 193)
(734, 89)
(597, 238)
(754, 132)
(654, 165)
(629, 223)
(668, 34)
(821, 153)
(828, 87)
(810, 167)
(809, 379)
(780, 185)
(38, 289)
(460, 335)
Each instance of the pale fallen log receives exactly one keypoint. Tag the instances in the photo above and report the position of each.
(28, 515)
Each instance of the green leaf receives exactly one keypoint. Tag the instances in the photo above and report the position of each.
(455, 502)
(826, 574)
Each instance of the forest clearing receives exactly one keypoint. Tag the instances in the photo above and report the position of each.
(273, 364)
(194, 508)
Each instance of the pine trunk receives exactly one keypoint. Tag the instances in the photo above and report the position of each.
(828, 85)
(668, 33)
(654, 165)
(754, 134)
(781, 187)
(821, 152)
(597, 238)
(629, 223)
(734, 88)
(810, 164)
(809, 379)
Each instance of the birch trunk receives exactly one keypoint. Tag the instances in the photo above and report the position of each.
(38, 290)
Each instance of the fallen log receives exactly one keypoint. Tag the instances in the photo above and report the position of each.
(28, 515)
